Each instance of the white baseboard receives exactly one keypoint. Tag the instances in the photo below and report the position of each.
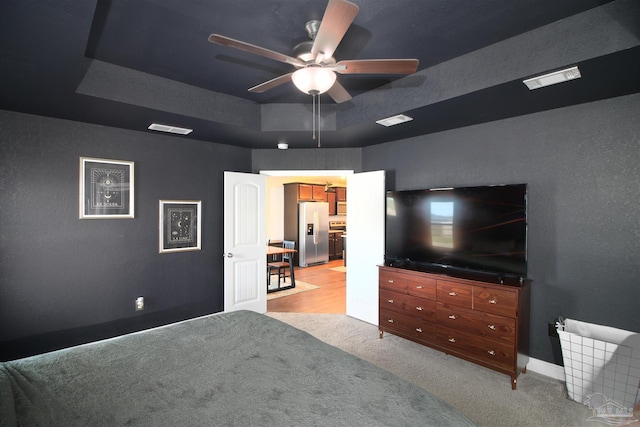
(545, 368)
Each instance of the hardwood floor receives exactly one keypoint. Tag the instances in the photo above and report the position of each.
(329, 298)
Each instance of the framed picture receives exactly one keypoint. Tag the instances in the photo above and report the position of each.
(180, 225)
(106, 188)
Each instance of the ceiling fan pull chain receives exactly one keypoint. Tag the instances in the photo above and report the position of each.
(313, 115)
(318, 121)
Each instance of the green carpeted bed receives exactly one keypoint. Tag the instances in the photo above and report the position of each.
(230, 369)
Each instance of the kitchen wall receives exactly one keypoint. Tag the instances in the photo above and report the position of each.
(275, 199)
(582, 167)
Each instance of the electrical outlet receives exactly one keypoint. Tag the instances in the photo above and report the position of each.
(139, 303)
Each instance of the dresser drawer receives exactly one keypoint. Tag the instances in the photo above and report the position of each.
(496, 301)
(494, 353)
(453, 293)
(485, 325)
(402, 303)
(408, 283)
(407, 325)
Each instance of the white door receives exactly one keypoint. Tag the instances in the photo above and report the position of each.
(365, 243)
(245, 242)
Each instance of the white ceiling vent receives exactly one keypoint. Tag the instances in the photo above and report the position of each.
(170, 129)
(552, 78)
(395, 120)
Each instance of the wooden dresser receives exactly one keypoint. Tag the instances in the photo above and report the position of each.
(484, 323)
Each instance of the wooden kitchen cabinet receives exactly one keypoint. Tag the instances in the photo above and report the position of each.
(304, 192)
(318, 193)
(330, 197)
(335, 245)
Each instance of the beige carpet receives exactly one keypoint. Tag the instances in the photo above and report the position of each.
(341, 269)
(300, 287)
(483, 395)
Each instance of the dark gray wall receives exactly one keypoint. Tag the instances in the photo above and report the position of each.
(325, 158)
(582, 167)
(59, 273)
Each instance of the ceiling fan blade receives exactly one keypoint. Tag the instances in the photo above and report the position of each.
(336, 21)
(263, 87)
(338, 93)
(247, 47)
(377, 66)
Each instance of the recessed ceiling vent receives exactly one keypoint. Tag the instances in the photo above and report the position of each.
(395, 120)
(552, 78)
(170, 129)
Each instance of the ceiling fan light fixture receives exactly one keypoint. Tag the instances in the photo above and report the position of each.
(314, 80)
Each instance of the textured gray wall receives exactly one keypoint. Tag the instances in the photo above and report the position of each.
(582, 167)
(58, 272)
(109, 81)
(307, 159)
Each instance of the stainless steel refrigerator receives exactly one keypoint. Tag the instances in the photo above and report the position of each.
(313, 233)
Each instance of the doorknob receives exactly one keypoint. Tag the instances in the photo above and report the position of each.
(229, 255)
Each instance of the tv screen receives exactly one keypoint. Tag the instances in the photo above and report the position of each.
(481, 229)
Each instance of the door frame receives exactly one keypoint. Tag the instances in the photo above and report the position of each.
(361, 295)
(307, 172)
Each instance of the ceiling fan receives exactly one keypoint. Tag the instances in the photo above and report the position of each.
(314, 60)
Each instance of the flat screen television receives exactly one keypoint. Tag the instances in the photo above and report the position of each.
(466, 229)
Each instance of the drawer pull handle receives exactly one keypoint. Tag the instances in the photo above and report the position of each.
(491, 352)
(419, 330)
(419, 287)
(390, 301)
(390, 280)
(453, 294)
(492, 327)
(390, 320)
(452, 340)
(419, 308)
(493, 301)
(453, 317)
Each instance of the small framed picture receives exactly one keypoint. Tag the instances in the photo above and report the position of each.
(180, 225)
(106, 189)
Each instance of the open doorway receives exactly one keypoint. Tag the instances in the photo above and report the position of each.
(365, 247)
(321, 288)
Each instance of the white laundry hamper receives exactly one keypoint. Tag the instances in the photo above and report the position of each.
(600, 359)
